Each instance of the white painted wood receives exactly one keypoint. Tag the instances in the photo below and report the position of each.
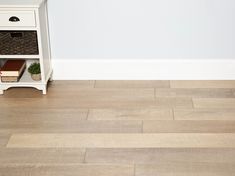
(143, 69)
(34, 19)
(42, 11)
(27, 18)
(21, 3)
(20, 56)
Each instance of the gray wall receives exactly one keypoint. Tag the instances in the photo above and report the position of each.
(142, 28)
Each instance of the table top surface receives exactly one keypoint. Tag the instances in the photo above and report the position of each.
(21, 3)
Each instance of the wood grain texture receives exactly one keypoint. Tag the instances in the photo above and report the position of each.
(55, 85)
(222, 103)
(172, 102)
(131, 114)
(132, 84)
(185, 169)
(119, 128)
(94, 126)
(202, 84)
(187, 126)
(171, 140)
(104, 94)
(204, 114)
(197, 93)
(71, 84)
(70, 125)
(75, 103)
(67, 170)
(86, 98)
(38, 119)
(4, 139)
(43, 114)
(41, 156)
(159, 155)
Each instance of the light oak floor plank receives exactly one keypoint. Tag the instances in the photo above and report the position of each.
(202, 84)
(196, 93)
(86, 98)
(40, 120)
(97, 98)
(67, 170)
(131, 114)
(222, 103)
(71, 126)
(204, 114)
(173, 102)
(188, 126)
(92, 93)
(161, 155)
(4, 139)
(189, 169)
(77, 103)
(171, 140)
(41, 156)
(113, 128)
(43, 114)
(55, 85)
(103, 94)
(132, 84)
(71, 84)
(108, 126)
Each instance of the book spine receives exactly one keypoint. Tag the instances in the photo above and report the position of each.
(13, 78)
(9, 73)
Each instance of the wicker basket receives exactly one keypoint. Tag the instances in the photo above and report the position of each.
(18, 43)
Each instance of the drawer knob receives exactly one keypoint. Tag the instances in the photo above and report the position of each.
(14, 19)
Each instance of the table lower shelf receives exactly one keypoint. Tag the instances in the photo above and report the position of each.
(27, 81)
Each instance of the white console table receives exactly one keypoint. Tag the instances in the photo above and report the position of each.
(27, 15)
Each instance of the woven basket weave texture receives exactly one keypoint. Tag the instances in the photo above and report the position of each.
(20, 45)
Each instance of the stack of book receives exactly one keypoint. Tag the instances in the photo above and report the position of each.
(12, 70)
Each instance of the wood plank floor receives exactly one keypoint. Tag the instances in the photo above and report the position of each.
(119, 128)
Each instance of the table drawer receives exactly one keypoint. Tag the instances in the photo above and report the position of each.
(17, 18)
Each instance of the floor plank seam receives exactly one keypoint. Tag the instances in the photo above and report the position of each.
(170, 84)
(87, 116)
(173, 113)
(85, 153)
(94, 84)
(232, 93)
(8, 140)
(193, 105)
(134, 169)
(142, 126)
(155, 94)
(63, 164)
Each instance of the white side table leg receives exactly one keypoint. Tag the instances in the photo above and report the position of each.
(1, 92)
(51, 76)
(44, 90)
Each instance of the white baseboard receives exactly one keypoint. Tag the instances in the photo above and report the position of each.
(144, 69)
